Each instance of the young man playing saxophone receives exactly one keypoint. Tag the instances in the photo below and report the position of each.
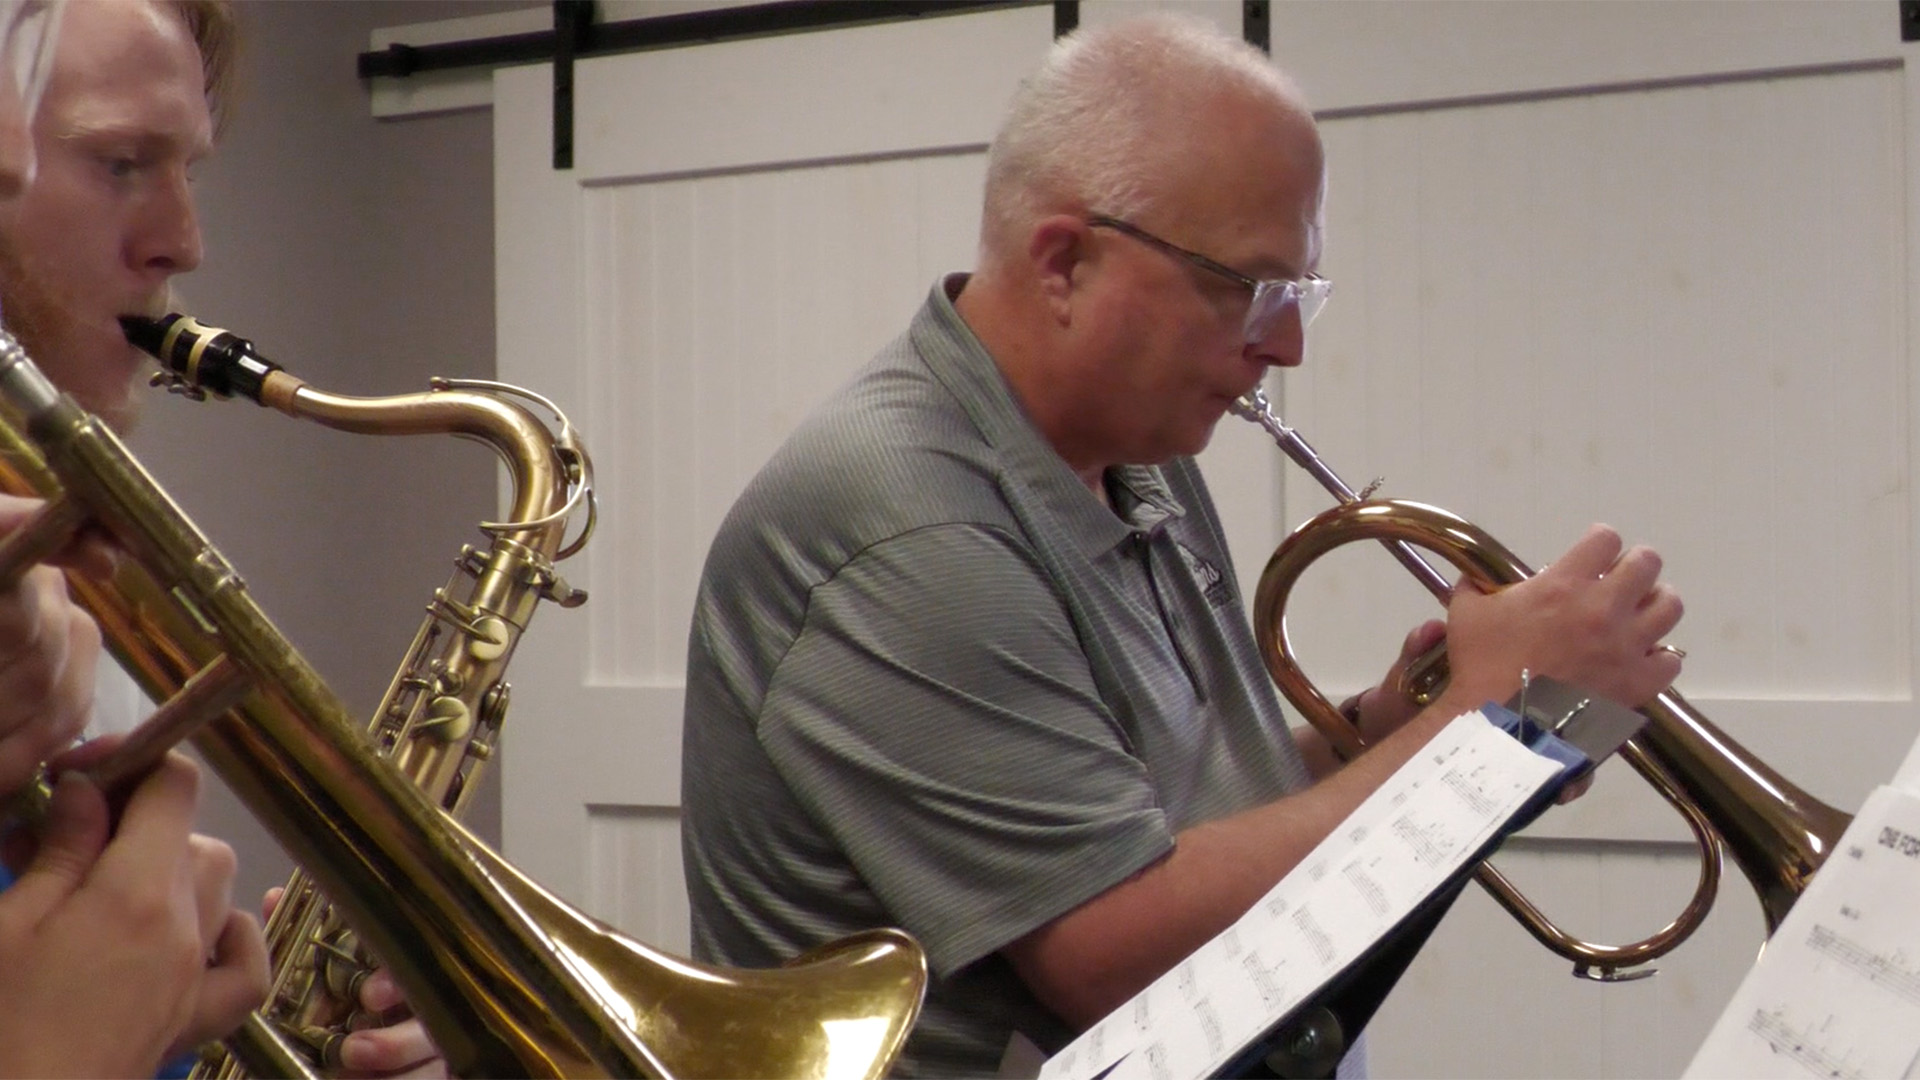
(119, 944)
(129, 108)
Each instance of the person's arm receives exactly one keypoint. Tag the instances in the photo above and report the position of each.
(1594, 618)
(1089, 961)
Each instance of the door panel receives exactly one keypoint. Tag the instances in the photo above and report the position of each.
(749, 222)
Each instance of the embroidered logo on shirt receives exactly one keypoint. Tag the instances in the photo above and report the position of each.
(1213, 584)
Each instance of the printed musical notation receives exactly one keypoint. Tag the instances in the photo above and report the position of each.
(1807, 1045)
(1393, 852)
(1837, 992)
(1888, 971)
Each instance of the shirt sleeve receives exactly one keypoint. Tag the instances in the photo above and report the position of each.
(937, 716)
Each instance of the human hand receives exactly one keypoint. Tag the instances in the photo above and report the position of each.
(235, 982)
(1594, 619)
(107, 959)
(49, 648)
(394, 1044)
(1379, 711)
(386, 1039)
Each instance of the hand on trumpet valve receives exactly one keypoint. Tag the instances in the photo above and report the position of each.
(1379, 711)
(1594, 618)
(120, 946)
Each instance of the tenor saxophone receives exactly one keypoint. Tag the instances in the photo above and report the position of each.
(508, 978)
(441, 716)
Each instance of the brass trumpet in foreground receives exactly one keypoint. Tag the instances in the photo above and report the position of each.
(508, 978)
(1779, 834)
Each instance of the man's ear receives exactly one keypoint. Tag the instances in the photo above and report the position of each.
(1057, 251)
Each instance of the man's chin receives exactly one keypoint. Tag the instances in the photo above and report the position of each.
(121, 411)
(1201, 434)
(124, 418)
(112, 387)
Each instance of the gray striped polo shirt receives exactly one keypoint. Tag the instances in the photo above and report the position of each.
(934, 683)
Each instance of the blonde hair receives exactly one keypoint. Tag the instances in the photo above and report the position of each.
(217, 36)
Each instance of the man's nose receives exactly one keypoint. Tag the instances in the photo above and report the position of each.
(168, 237)
(1285, 342)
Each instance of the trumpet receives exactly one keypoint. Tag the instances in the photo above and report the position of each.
(1777, 833)
(508, 978)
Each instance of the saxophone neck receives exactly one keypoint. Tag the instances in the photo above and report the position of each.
(552, 475)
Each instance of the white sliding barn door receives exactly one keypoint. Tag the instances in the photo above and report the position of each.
(747, 223)
(1644, 263)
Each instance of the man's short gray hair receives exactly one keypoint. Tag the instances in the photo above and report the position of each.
(1092, 128)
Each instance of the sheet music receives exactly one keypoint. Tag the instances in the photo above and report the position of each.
(1837, 991)
(1392, 852)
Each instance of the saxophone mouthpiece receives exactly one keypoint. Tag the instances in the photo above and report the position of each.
(202, 357)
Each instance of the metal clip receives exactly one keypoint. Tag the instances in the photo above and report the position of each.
(174, 384)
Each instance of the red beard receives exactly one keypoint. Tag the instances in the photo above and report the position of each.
(43, 319)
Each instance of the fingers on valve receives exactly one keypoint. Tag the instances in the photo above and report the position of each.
(152, 839)
(400, 1049)
(1592, 555)
(380, 993)
(238, 967)
(214, 865)
(1636, 571)
(1662, 609)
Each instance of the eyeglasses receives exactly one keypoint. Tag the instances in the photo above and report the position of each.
(1271, 298)
(28, 29)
